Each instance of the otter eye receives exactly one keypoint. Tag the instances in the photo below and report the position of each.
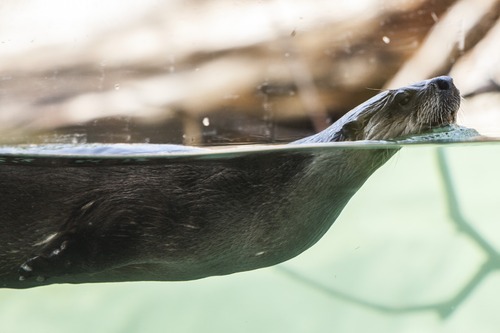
(402, 98)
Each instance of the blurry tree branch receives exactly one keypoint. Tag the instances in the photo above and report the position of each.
(443, 308)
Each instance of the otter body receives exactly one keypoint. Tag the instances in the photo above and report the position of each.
(67, 219)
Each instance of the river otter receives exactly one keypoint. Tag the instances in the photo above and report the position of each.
(77, 219)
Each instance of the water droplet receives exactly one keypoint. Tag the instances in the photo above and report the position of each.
(206, 121)
(461, 36)
(386, 39)
(231, 96)
(117, 86)
(434, 17)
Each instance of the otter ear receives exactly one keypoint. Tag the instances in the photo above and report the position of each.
(351, 131)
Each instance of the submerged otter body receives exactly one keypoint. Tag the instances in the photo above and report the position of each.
(123, 219)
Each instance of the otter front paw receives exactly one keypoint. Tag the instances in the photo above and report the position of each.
(52, 263)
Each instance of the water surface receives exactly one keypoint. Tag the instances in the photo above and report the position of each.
(414, 250)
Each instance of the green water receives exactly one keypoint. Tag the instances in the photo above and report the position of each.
(395, 261)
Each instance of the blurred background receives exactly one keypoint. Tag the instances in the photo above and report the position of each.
(225, 72)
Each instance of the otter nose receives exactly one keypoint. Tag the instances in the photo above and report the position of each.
(443, 82)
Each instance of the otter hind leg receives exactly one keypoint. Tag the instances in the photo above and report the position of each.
(91, 240)
(57, 259)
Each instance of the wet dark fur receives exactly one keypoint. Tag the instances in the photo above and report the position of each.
(192, 217)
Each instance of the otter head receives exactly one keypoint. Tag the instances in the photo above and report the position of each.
(410, 110)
